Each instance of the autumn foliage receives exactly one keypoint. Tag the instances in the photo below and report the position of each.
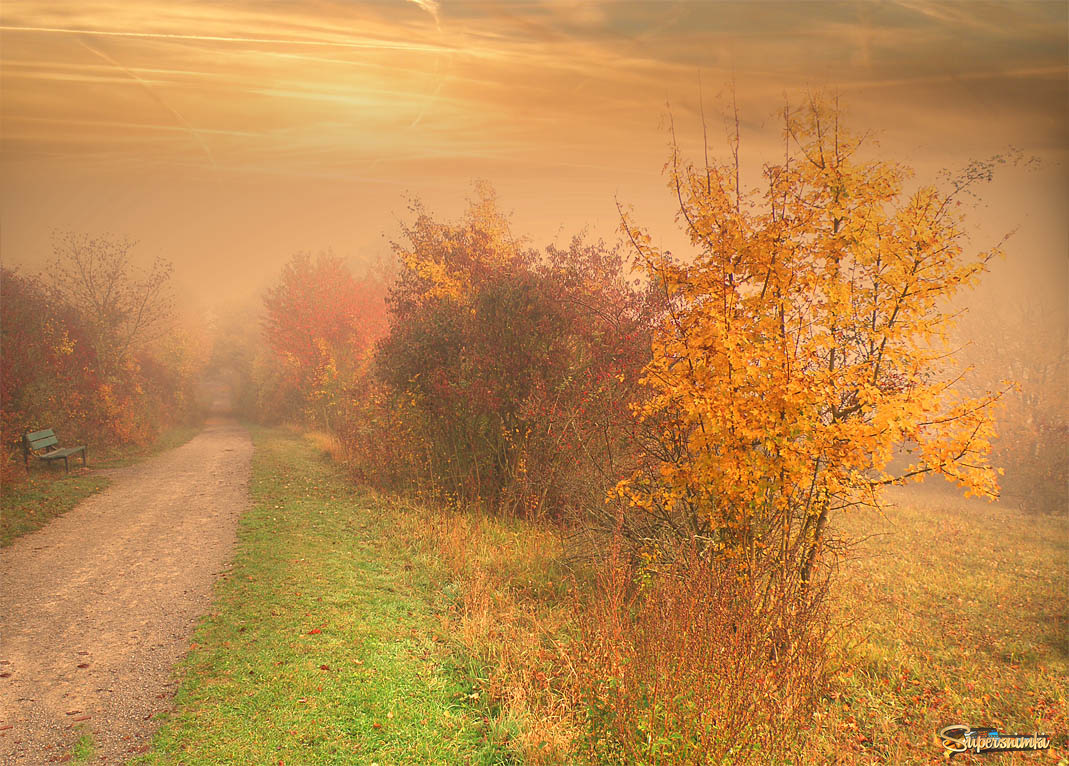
(803, 345)
(92, 349)
(320, 325)
(514, 368)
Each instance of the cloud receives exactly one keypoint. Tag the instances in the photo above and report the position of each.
(559, 80)
(430, 6)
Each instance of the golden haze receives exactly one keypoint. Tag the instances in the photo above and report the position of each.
(225, 137)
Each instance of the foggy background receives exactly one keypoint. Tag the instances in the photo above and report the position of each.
(226, 137)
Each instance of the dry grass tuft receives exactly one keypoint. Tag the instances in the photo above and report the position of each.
(511, 611)
(691, 664)
(327, 444)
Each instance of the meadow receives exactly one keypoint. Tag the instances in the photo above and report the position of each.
(361, 627)
(954, 611)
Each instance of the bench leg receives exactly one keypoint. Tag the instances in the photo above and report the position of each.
(66, 464)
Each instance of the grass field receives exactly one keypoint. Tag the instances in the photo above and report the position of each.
(356, 628)
(326, 643)
(48, 492)
(955, 612)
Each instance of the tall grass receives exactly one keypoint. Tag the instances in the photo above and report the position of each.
(608, 662)
(630, 662)
(510, 608)
(694, 663)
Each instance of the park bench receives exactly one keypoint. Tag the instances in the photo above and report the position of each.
(45, 445)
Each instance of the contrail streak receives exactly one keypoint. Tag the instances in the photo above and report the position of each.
(431, 7)
(362, 44)
(197, 138)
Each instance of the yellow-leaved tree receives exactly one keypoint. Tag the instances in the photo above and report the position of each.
(445, 260)
(803, 346)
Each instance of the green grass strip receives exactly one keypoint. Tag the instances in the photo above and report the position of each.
(83, 750)
(30, 504)
(324, 645)
(48, 492)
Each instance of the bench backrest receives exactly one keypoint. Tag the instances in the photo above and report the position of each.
(40, 439)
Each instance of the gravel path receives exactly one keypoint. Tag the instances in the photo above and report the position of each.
(96, 608)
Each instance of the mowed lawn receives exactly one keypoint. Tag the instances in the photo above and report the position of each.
(956, 612)
(325, 643)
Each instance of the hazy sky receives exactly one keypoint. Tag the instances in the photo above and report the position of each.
(227, 136)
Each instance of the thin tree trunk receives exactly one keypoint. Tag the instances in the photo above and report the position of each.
(818, 537)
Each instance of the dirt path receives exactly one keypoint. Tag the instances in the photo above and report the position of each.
(97, 607)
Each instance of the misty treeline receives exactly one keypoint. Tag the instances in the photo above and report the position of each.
(1023, 343)
(94, 349)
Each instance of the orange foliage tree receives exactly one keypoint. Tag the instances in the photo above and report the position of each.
(320, 325)
(803, 345)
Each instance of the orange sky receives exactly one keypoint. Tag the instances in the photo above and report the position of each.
(226, 136)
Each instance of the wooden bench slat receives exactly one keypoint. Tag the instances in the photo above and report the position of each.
(40, 434)
(58, 453)
(41, 443)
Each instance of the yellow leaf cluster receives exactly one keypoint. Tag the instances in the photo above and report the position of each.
(801, 348)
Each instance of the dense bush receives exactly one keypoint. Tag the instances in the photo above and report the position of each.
(514, 369)
(486, 372)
